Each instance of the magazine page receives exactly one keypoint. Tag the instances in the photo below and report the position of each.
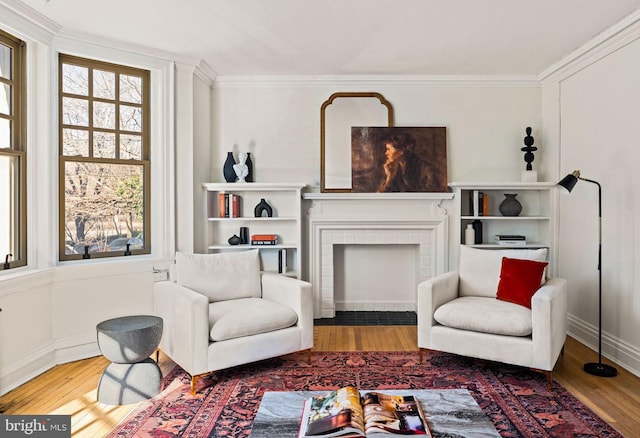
(393, 414)
(337, 413)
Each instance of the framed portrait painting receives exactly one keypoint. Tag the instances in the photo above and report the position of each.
(398, 159)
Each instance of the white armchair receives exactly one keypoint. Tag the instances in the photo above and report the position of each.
(221, 311)
(458, 312)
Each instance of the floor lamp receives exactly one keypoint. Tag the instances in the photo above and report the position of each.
(566, 185)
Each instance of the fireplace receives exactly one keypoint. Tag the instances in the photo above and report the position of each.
(382, 220)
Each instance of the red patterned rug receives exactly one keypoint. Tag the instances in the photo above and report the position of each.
(516, 400)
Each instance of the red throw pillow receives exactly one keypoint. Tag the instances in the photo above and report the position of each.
(519, 280)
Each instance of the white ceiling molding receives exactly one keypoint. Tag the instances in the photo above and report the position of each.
(205, 73)
(128, 47)
(368, 81)
(615, 37)
(25, 21)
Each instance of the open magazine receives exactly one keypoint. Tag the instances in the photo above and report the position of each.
(347, 413)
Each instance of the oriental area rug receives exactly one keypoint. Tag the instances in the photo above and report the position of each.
(516, 400)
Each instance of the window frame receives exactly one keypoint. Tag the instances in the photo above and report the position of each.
(18, 144)
(144, 160)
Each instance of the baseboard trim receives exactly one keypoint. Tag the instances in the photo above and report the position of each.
(26, 368)
(55, 353)
(622, 353)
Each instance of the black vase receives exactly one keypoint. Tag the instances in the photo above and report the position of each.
(477, 228)
(263, 207)
(249, 163)
(510, 206)
(244, 235)
(227, 169)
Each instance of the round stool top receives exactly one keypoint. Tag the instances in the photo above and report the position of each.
(129, 339)
(129, 323)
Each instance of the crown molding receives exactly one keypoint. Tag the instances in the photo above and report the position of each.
(27, 21)
(205, 73)
(127, 47)
(368, 81)
(613, 38)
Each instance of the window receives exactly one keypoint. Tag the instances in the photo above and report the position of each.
(13, 160)
(104, 159)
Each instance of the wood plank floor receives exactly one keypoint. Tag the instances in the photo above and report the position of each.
(71, 388)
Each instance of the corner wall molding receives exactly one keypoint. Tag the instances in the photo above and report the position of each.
(165, 55)
(27, 21)
(613, 38)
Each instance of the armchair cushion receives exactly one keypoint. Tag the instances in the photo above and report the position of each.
(519, 280)
(248, 316)
(487, 315)
(220, 277)
(479, 269)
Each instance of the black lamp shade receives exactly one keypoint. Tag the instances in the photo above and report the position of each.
(567, 183)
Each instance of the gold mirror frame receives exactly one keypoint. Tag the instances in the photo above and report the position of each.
(323, 127)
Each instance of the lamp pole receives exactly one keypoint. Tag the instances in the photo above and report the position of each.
(567, 184)
(599, 369)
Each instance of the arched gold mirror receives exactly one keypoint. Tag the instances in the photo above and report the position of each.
(338, 115)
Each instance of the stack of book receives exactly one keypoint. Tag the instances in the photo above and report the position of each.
(229, 204)
(264, 239)
(479, 203)
(511, 239)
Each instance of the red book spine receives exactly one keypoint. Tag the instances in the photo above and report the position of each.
(235, 205)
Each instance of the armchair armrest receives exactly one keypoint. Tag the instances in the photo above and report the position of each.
(549, 321)
(433, 293)
(295, 294)
(186, 325)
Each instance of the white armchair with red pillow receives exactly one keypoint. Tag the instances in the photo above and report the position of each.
(497, 306)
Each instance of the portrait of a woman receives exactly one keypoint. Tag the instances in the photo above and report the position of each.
(398, 159)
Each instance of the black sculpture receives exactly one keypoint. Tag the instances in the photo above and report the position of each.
(529, 149)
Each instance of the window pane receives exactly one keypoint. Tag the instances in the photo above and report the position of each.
(75, 142)
(104, 115)
(103, 202)
(130, 118)
(75, 79)
(130, 89)
(5, 61)
(104, 84)
(75, 111)
(5, 99)
(104, 144)
(5, 133)
(130, 147)
(9, 207)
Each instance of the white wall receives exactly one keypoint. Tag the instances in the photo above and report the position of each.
(278, 121)
(597, 122)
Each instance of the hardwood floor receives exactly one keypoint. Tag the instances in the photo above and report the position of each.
(71, 388)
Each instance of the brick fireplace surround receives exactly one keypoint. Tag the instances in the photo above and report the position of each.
(373, 219)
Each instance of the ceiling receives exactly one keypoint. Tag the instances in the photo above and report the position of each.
(349, 37)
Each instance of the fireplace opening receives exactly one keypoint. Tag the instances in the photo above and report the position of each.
(375, 277)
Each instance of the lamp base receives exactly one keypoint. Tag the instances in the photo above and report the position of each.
(600, 369)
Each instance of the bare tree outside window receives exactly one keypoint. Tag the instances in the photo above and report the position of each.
(104, 147)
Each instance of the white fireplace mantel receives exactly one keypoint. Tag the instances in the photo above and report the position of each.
(373, 219)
